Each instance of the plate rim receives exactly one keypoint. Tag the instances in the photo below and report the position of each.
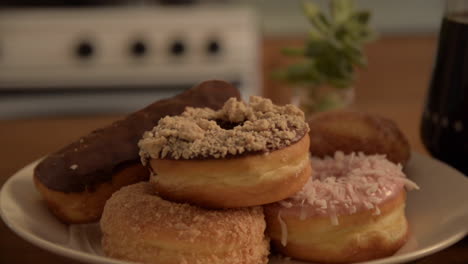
(90, 258)
(41, 242)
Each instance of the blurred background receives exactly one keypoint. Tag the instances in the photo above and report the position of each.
(69, 67)
(61, 58)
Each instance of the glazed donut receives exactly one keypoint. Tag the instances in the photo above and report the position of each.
(242, 155)
(351, 210)
(76, 181)
(139, 226)
(353, 131)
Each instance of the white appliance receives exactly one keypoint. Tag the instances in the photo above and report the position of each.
(57, 61)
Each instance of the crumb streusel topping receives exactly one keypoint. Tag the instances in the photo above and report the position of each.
(237, 128)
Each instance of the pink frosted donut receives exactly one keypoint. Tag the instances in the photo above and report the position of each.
(351, 209)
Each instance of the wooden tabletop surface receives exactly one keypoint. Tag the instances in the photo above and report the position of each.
(394, 85)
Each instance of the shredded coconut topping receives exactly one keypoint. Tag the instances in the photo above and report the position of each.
(345, 184)
(237, 128)
(284, 230)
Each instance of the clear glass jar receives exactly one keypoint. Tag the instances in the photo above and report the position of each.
(444, 126)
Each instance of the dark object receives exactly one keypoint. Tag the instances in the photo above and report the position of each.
(138, 48)
(177, 48)
(104, 151)
(444, 127)
(213, 47)
(84, 50)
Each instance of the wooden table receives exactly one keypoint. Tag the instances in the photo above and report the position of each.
(394, 85)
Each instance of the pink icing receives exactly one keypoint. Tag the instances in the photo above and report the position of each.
(346, 184)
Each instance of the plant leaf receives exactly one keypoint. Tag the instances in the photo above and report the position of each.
(316, 47)
(362, 17)
(334, 47)
(341, 9)
(316, 17)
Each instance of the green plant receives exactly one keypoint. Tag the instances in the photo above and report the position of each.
(333, 48)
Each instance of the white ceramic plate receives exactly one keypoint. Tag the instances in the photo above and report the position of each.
(438, 216)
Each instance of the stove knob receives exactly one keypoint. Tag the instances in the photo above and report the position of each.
(138, 48)
(177, 48)
(213, 47)
(84, 50)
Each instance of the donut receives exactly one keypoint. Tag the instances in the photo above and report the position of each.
(76, 180)
(354, 131)
(244, 154)
(351, 210)
(139, 226)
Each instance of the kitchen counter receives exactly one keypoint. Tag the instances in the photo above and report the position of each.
(393, 85)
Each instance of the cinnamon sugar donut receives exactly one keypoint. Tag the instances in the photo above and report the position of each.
(140, 226)
(351, 210)
(245, 154)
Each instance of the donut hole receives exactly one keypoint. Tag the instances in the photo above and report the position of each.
(227, 125)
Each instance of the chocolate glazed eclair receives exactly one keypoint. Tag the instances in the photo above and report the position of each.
(77, 180)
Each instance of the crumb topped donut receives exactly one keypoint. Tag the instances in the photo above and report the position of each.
(242, 155)
(237, 128)
(140, 226)
(351, 210)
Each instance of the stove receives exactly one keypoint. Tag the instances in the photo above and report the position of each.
(62, 60)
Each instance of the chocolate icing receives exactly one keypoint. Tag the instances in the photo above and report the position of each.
(95, 157)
